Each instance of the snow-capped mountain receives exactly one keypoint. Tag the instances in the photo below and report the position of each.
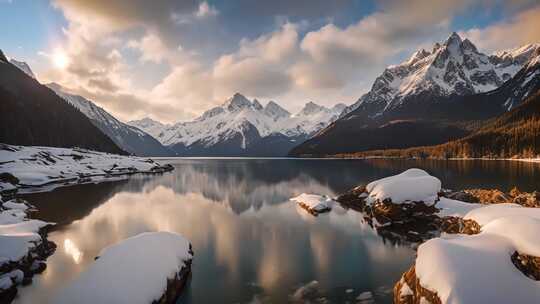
(33, 115)
(453, 67)
(23, 67)
(431, 98)
(243, 127)
(150, 126)
(129, 138)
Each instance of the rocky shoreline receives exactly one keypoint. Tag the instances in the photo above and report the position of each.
(19, 269)
(452, 216)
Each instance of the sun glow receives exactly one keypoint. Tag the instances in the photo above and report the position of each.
(60, 59)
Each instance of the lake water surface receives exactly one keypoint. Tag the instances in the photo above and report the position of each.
(251, 244)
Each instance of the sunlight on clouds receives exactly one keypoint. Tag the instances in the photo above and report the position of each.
(59, 59)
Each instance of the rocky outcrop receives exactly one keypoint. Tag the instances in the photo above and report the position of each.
(413, 222)
(495, 196)
(409, 291)
(529, 265)
(21, 270)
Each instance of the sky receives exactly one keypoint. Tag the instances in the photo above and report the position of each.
(173, 60)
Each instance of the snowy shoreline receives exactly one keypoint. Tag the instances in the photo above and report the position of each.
(467, 239)
(41, 169)
(23, 241)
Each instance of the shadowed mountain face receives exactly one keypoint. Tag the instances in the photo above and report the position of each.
(424, 116)
(129, 138)
(32, 114)
(513, 134)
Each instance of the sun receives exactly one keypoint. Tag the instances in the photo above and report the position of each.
(60, 59)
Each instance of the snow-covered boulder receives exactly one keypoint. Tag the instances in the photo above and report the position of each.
(408, 206)
(410, 186)
(23, 247)
(500, 264)
(314, 203)
(46, 167)
(148, 268)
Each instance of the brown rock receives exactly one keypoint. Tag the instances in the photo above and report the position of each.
(490, 196)
(529, 265)
(418, 292)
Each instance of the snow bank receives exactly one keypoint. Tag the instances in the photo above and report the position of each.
(19, 242)
(133, 271)
(478, 268)
(313, 202)
(489, 213)
(450, 207)
(413, 185)
(46, 166)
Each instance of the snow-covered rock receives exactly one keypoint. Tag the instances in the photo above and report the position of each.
(47, 167)
(240, 126)
(478, 268)
(23, 246)
(314, 203)
(490, 213)
(147, 268)
(412, 185)
(499, 263)
(455, 208)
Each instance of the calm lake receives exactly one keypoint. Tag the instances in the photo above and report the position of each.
(251, 244)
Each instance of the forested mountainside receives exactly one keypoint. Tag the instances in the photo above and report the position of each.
(515, 134)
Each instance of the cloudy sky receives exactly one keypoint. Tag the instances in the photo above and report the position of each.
(172, 60)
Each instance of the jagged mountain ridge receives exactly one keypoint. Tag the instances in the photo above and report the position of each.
(243, 127)
(453, 68)
(33, 115)
(129, 138)
(448, 109)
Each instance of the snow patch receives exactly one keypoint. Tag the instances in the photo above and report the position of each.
(133, 271)
(314, 202)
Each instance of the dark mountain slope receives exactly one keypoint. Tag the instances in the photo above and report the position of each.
(32, 114)
(129, 138)
(513, 134)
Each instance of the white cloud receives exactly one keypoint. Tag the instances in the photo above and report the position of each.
(205, 10)
(151, 47)
(328, 64)
(518, 30)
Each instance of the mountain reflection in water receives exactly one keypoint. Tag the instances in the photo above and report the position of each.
(250, 242)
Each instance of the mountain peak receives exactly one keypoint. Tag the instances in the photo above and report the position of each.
(311, 108)
(453, 39)
(237, 102)
(257, 105)
(275, 111)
